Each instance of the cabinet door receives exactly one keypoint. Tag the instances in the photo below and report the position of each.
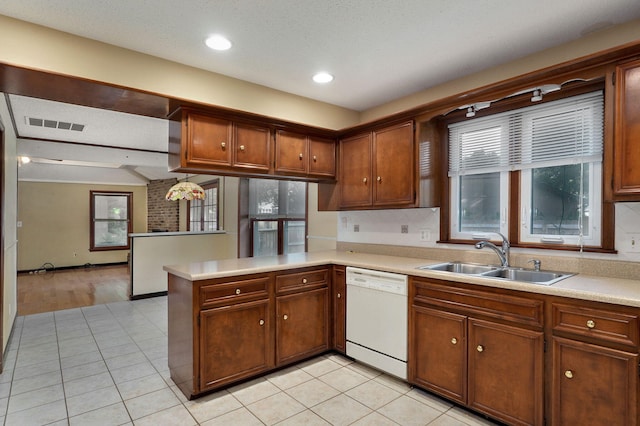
(339, 309)
(355, 172)
(438, 356)
(394, 163)
(322, 157)
(208, 141)
(302, 327)
(626, 173)
(593, 385)
(252, 147)
(506, 377)
(235, 342)
(291, 153)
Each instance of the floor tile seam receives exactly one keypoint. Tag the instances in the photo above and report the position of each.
(347, 396)
(290, 387)
(66, 408)
(340, 390)
(417, 398)
(304, 408)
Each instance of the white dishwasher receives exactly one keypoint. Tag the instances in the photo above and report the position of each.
(377, 319)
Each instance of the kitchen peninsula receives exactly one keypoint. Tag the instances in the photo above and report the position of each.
(231, 320)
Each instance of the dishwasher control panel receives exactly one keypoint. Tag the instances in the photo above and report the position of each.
(377, 280)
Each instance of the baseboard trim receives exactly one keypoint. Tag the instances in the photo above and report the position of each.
(44, 268)
(148, 295)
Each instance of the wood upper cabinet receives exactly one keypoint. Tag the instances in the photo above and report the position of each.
(626, 173)
(302, 155)
(302, 314)
(377, 169)
(339, 294)
(202, 142)
(461, 348)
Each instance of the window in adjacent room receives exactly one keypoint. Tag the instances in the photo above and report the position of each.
(556, 148)
(203, 214)
(111, 220)
(277, 216)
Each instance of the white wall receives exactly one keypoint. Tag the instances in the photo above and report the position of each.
(9, 297)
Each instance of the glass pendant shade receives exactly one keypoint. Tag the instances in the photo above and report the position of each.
(185, 191)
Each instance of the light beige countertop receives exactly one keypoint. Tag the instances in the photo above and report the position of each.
(587, 287)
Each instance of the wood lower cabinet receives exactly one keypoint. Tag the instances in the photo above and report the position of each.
(229, 329)
(236, 342)
(378, 168)
(594, 377)
(593, 385)
(302, 314)
(626, 156)
(461, 348)
(339, 294)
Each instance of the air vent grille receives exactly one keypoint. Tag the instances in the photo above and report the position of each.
(53, 124)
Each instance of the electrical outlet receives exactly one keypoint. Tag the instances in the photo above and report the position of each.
(356, 228)
(404, 229)
(425, 234)
(634, 243)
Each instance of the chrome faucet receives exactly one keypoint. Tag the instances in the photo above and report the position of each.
(503, 252)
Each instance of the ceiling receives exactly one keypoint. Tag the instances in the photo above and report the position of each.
(378, 50)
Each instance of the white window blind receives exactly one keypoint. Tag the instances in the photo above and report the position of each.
(566, 131)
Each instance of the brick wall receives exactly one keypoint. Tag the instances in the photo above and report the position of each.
(162, 214)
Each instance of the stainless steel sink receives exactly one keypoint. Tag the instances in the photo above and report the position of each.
(460, 268)
(506, 273)
(528, 275)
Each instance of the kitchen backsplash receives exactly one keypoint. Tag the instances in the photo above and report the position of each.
(387, 227)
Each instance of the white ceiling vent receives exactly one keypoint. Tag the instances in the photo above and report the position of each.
(53, 124)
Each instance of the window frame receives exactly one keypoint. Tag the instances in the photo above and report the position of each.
(92, 219)
(514, 214)
(206, 186)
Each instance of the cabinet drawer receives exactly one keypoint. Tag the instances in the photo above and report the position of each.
(286, 283)
(515, 309)
(231, 292)
(601, 324)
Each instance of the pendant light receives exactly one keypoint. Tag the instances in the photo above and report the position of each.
(185, 191)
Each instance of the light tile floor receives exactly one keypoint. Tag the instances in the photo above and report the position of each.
(107, 365)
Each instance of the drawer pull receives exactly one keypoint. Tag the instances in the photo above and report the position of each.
(314, 158)
(238, 291)
(480, 348)
(339, 296)
(241, 147)
(300, 156)
(304, 281)
(591, 324)
(223, 145)
(285, 317)
(454, 341)
(379, 179)
(261, 322)
(568, 374)
(364, 180)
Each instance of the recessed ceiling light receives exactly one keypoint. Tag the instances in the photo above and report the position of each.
(218, 42)
(322, 77)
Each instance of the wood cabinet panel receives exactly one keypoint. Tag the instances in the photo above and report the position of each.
(593, 385)
(301, 155)
(234, 291)
(339, 285)
(302, 327)
(322, 157)
(236, 342)
(439, 352)
(208, 140)
(600, 324)
(355, 172)
(506, 377)
(252, 147)
(394, 165)
(626, 173)
(302, 280)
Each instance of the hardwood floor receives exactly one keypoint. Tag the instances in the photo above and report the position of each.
(72, 288)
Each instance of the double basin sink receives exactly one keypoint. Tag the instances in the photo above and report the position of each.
(502, 272)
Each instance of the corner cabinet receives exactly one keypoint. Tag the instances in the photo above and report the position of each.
(301, 155)
(479, 348)
(377, 169)
(626, 173)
